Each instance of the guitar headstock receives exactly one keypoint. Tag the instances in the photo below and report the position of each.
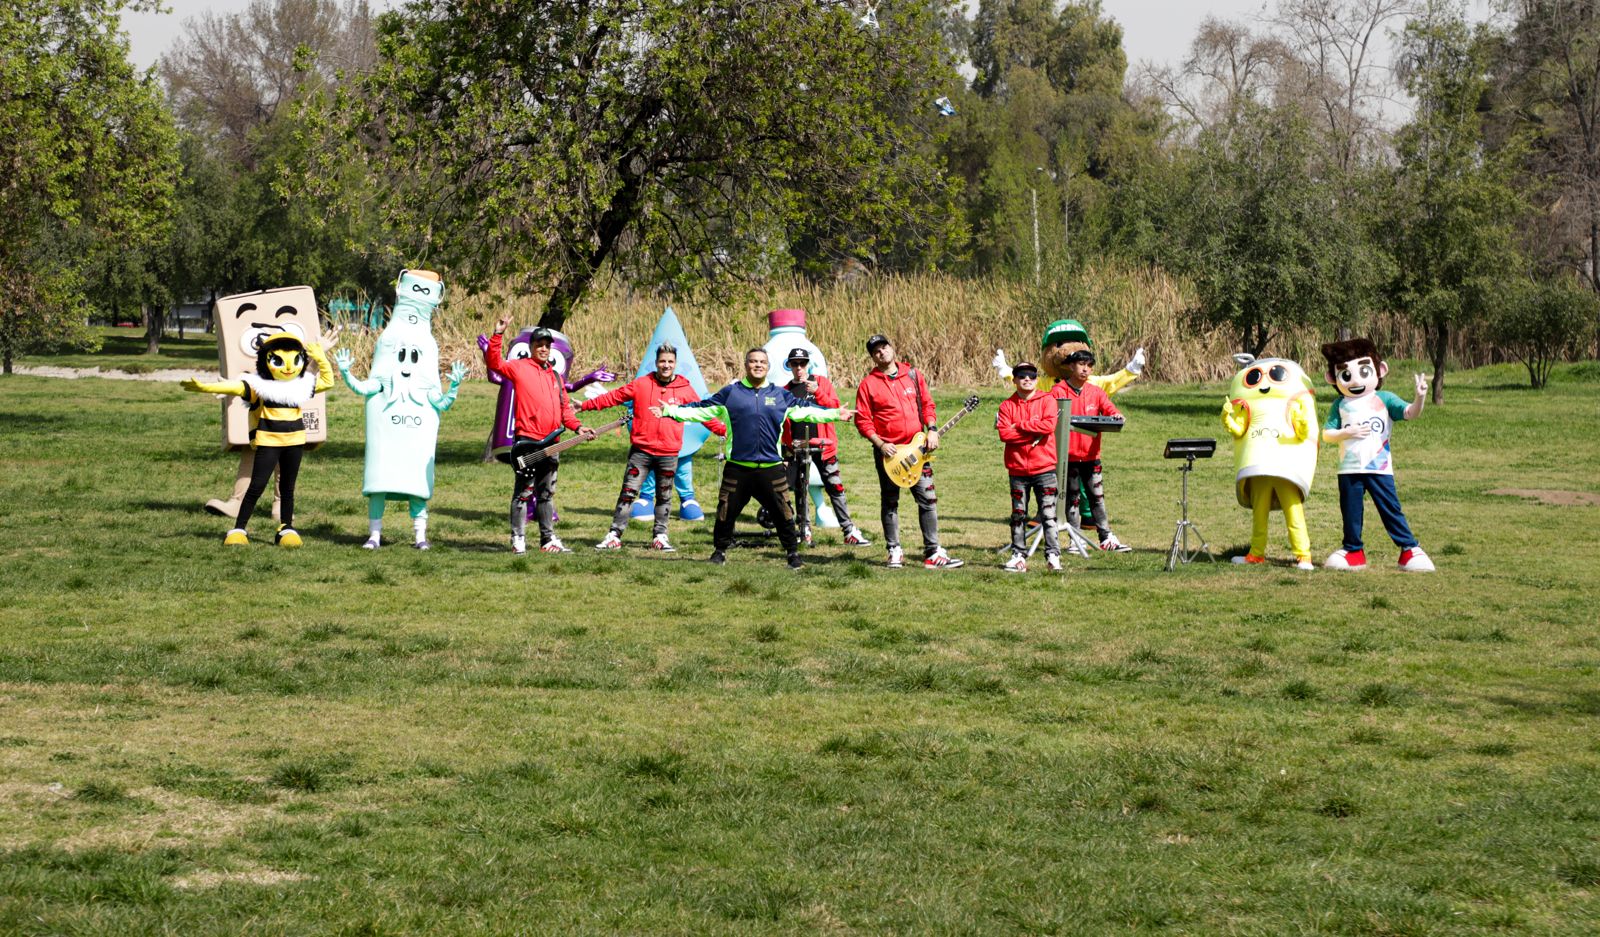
(970, 404)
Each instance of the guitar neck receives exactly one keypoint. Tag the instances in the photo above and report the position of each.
(955, 419)
(566, 444)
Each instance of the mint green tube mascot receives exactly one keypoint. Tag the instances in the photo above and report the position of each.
(404, 400)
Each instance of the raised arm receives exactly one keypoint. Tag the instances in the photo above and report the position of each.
(324, 367)
(1235, 417)
(444, 401)
(365, 388)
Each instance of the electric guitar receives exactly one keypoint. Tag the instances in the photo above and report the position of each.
(524, 462)
(905, 466)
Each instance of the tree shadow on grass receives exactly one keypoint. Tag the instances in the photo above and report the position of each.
(30, 422)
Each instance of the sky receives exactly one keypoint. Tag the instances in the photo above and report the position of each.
(1155, 31)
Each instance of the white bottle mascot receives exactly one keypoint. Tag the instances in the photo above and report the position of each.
(404, 400)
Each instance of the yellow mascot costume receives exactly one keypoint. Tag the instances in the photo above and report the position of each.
(1271, 415)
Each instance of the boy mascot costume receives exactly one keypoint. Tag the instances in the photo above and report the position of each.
(276, 396)
(1361, 421)
(404, 401)
(1271, 415)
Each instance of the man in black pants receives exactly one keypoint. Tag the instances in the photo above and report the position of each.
(754, 412)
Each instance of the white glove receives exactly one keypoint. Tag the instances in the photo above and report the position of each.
(1136, 366)
(343, 358)
(999, 364)
(591, 391)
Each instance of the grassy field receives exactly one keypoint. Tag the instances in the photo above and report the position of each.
(333, 741)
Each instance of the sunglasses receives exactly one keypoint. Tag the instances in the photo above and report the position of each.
(1025, 375)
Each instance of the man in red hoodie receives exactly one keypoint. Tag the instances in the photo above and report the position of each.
(1027, 425)
(1083, 468)
(893, 405)
(654, 443)
(543, 411)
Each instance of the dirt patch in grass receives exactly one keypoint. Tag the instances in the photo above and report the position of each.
(165, 819)
(211, 878)
(1555, 497)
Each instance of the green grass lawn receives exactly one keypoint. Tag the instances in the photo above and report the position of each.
(195, 741)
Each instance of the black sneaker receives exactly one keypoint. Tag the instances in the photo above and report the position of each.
(718, 558)
(794, 561)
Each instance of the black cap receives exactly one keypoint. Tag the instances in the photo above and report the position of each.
(797, 354)
(1024, 366)
(541, 334)
(875, 341)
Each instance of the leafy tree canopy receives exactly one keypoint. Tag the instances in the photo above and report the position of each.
(687, 143)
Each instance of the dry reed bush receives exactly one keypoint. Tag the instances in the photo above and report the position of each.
(948, 326)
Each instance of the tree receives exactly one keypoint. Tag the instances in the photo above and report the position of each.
(1548, 72)
(1542, 322)
(1261, 233)
(533, 144)
(1451, 203)
(89, 155)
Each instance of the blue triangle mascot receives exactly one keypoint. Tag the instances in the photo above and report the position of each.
(694, 435)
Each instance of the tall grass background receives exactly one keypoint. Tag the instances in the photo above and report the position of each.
(948, 326)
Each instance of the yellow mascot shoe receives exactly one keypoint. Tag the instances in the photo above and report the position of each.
(235, 538)
(287, 537)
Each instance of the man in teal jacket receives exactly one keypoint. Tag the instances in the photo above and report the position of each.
(754, 412)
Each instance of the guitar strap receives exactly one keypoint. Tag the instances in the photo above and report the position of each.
(917, 382)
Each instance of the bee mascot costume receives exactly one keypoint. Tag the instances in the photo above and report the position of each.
(404, 400)
(275, 395)
(1271, 415)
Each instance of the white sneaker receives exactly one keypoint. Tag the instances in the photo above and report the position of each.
(609, 542)
(1341, 558)
(805, 535)
(1052, 562)
(942, 560)
(1112, 545)
(1017, 564)
(855, 538)
(1415, 561)
(1305, 564)
(660, 543)
(519, 544)
(371, 544)
(554, 546)
(897, 558)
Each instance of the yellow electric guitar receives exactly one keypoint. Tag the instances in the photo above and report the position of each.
(905, 467)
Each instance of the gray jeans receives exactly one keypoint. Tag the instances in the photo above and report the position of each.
(927, 507)
(641, 464)
(537, 484)
(1043, 487)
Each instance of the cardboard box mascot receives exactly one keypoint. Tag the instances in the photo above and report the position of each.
(1271, 414)
(404, 400)
(1361, 421)
(242, 322)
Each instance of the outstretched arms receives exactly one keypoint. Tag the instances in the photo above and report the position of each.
(230, 388)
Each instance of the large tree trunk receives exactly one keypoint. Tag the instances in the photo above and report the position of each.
(1438, 346)
(152, 328)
